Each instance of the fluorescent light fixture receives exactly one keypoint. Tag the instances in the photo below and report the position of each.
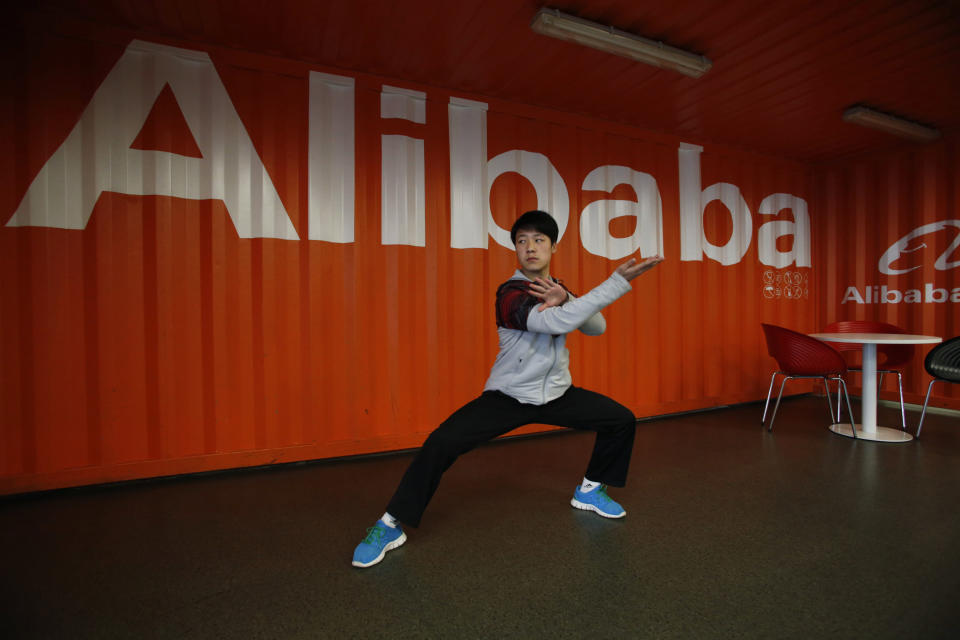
(555, 24)
(874, 119)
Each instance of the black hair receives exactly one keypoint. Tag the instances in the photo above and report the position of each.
(539, 221)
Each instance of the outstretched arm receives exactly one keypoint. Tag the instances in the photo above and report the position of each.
(562, 313)
(552, 294)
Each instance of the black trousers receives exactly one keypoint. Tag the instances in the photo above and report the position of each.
(494, 414)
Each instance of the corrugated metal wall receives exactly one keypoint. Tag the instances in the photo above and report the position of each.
(159, 338)
(889, 249)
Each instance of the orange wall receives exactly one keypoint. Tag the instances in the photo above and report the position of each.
(868, 207)
(155, 340)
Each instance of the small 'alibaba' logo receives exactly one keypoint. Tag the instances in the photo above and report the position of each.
(901, 246)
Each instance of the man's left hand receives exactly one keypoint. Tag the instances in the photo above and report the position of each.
(551, 293)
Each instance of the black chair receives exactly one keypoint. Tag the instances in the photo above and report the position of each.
(943, 363)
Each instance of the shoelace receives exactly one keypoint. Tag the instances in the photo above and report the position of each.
(374, 536)
(603, 494)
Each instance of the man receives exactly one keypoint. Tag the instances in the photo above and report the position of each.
(529, 383)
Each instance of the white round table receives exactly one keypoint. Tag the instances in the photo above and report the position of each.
(868, 429)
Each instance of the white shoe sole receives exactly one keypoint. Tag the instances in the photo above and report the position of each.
(390, 547)
(589, 507)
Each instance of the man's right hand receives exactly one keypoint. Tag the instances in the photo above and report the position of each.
(631, 268)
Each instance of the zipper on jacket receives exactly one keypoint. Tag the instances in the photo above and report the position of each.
(546, 378)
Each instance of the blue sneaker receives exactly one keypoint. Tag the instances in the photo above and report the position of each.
(597, 500)
(380, 539)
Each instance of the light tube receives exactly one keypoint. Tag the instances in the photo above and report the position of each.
(555, 24)
(868, 117)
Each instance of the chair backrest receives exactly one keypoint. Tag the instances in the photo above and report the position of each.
(889, 356)
(799, 354)
(943, 361)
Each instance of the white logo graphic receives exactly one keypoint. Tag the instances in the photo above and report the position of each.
(98, 157)
(902, 246)
(97, 154)
(882, 294)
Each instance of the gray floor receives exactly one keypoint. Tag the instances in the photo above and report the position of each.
(731, 532)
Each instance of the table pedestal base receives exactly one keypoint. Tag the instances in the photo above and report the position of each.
(882, 434)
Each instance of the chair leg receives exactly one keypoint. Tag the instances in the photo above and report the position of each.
(853, 424)
(777, 406)
(837, 417)
(903, 410)
(838, 405)
(829, 403)
(924, 412)
(763, 420)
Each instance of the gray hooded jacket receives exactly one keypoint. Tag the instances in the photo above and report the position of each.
(533, 365)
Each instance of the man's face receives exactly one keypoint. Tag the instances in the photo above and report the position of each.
(534, 250)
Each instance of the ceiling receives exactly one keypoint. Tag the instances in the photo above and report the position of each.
(783, 72)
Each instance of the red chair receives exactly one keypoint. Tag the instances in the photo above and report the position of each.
(891, 358)
(800, 356)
